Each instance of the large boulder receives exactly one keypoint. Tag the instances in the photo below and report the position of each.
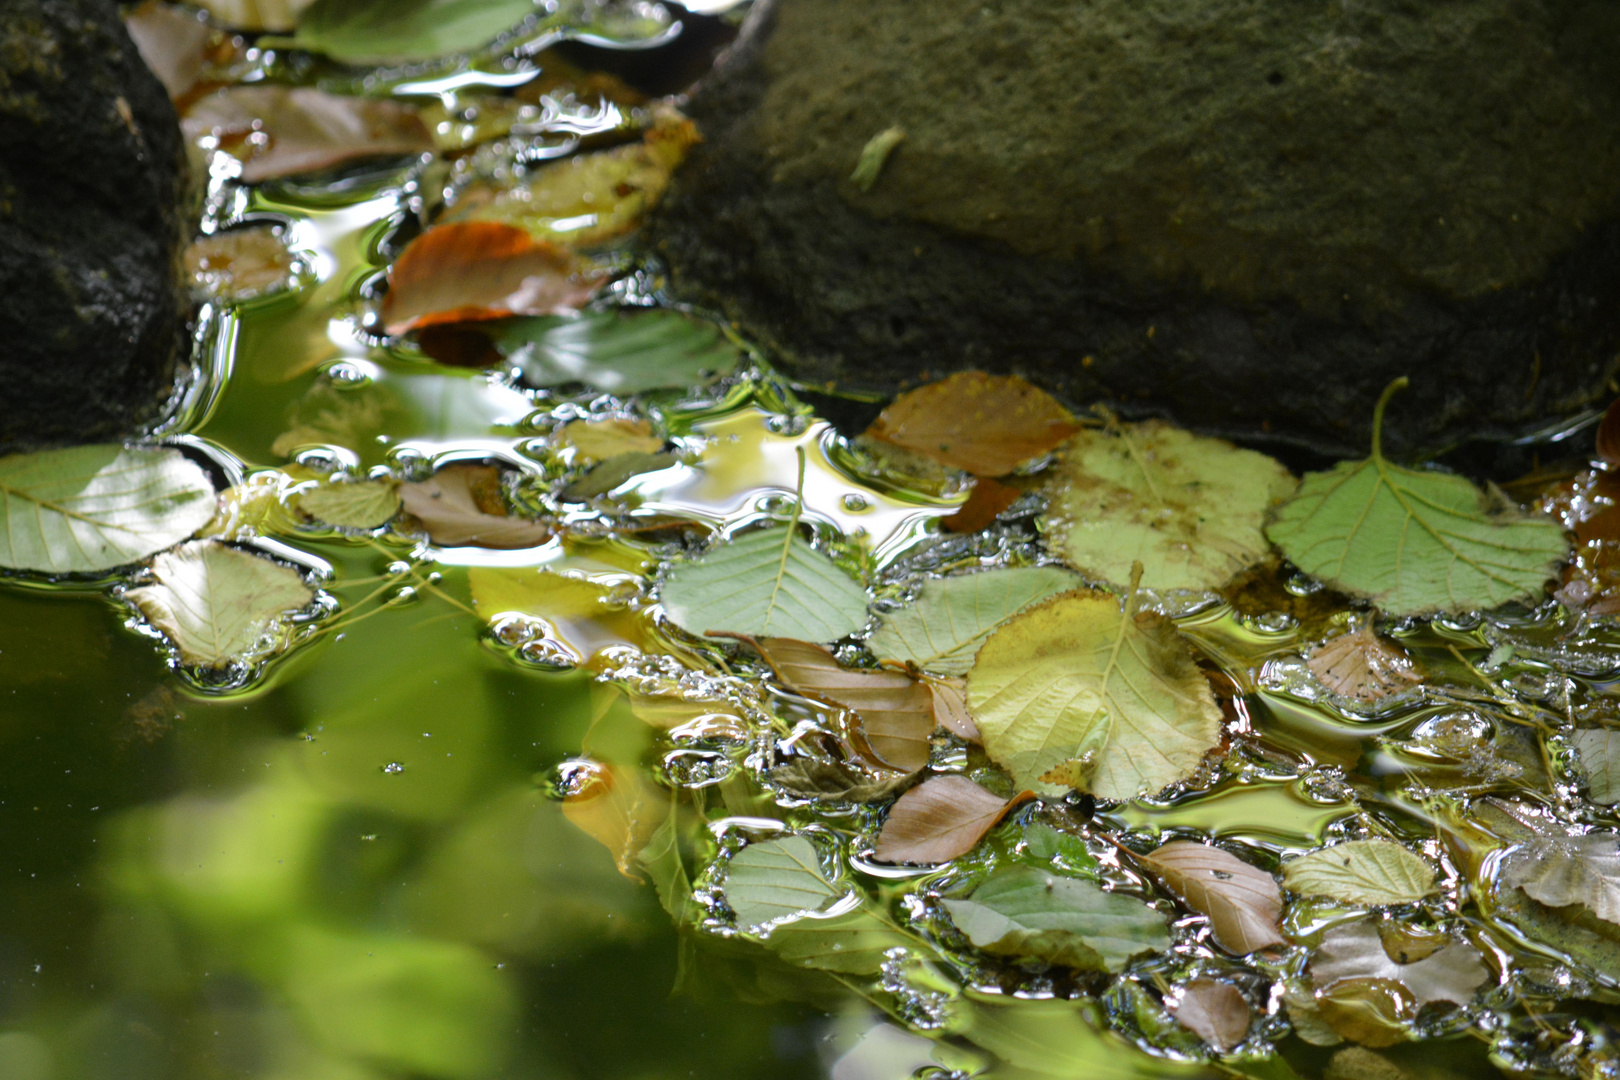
(91, 182)
(1249, 215)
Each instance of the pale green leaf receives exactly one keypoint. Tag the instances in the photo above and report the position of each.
(619, 352)
(1356, 951)
(1562, 870)
(851, 943)
(775, 879)
(219, 604)
(394, 31)
(661, 857)
(1080, 691)
(89, 508)
(1190, 509)
(766, 583)
(351, 504)
(1028, 912)
(951, 617)
(1361, 872)
(1599, 752)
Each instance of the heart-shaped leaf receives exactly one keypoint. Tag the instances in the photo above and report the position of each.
(940, 819)
(218, 604)
(1242, 902)
(944, 627)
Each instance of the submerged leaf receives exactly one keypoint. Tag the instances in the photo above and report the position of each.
(619, 808)
(615, 473)
(811, 778)
(609, 437)
(216, 603)
(1028, 912)
(1356, 951)
(1215, 1011)
(987, 499)
(1361, 872)
(461, 505)
(987, 425)
(951, 618)
(89, 508)
(1113, 703)
(940, 819)
(619, 352)
(1189, 508)
(1363, 666)
(1563, 870)
(775, 879)
(1599, 751)
(351, 504)
(852, 943)
(1241, 901)
(240, 264)
(396, 31)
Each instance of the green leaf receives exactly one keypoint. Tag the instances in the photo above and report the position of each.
(765, 583)
(1028, 912)
(1078, 691)
(951, 617)
(1190, 509)
(89, 508)
(1361, 872)
(351, 504)
(218, 603)
(1599, 752)
(774, 879)
(661, 856)
(1562, 870)
(396, 31)
(1413, 542)
(853, 943)
(619, 352)
(607, 475)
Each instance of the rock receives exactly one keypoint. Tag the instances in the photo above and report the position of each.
(1247, 215)
(91, 182)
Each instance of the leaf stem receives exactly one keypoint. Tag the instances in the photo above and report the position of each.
(1378, 415)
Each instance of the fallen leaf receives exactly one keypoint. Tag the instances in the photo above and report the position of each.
(1077, 680)
(249, 509)
(811, 778)
(939, 819)
(854, 943)
(277, 15)
(278, 131)
(619, 808)
(328, 415)
(1242, 902)
(618, 352)
(173, 42)
(1307, 1019)
(776, 879)
(1059, 849)
(1373, 1012)
(88, 508)
(240, 264)
(943, 628)
(218, 603)
(1599, 753)
(660, 857)
(1356, 951)
(1588, 505)
(1608, 434)
(1189, 508)
(461, 505)
(349, 503)
(1361, 872)
(1413, 542)
(1023, 911)
(614, 473)
(987, 425)
(1363, 666)
(1215, 1011)
(475, 272)
(577, 613)
(987, 499)
(951, 708)
(1563, 870)
(599, 440)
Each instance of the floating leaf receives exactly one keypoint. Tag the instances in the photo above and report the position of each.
(249, 509)
(1078, 680)
(614, 473)
(951, 709)
(940, 819)
(987, 425)
(661, 858)
(1363, 666)
(1599, 751)
(462, 505)
(1608, 434)
(1190, 509)
(1241, 901)
(240, 264)
(767, 583)
(776, 879)
(951, 618)
(1356, 951)
(1028, 912)
(89, 508)
(397, 31)
(617, 807)
(1307, 1019)
(1373, 1012)
(351, 504)
(618, 352)
(609, 437)
(853, 943)
(985, 501)
(283, 131)
(811, 778)
(1058, 848)
(470, 273)
(1216, 1011)
(1563, 870)
(1413, 542)
(173, 43)
(217, 603)
(1361, 872)
(577, 613)
(275, 15)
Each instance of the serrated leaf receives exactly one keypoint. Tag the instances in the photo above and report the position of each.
(620, 353)
(951, 618)
(1190, 509)
(767, 583)
(1363, 666)
(814, 779)
(351, 504)
(1562, 870)
(89, 508)
(1599, 752)
(1028, 912)
(599, 440)
(1361, 872)
(462, 505)
(1356, 951)
(1077, 680)
(775, 879)
(217, 603)
(851, 943)
(1242, 902)
(984, 424)
(395, 31)
(1413, 542)
(938, 820)
(660, 857)
(1216, 1011)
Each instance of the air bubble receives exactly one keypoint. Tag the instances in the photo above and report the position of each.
(394, 768)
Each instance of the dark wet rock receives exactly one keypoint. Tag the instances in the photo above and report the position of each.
(1245, 214)
(91, 181)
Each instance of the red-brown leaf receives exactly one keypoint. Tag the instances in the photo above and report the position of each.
(460, 505)
(987, 499)
(1215, 1011)
(941, 819)
(951, 709)
(1241, 901)
(984, 424)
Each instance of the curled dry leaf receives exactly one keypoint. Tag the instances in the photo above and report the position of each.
(940, 819)
(1599, 752)
(1355, 951)
(1562, 870)
(461, 505)
(987, 499)
(987, 425)
(1242, 902)
(951, 708)
(479, 271)
(280, 131)
(218, 603)
(240, 264)
(1361, 872)
(619, 808)
(1215, 1011)
(1363, 666)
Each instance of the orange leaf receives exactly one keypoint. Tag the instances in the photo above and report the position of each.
(951, 709)
(984, 424)
(618, 808)
(940, 819)
(460, 505)
(481, 270)
(987, 499)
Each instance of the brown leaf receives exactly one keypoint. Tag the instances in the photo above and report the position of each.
(1241, 901)
(1589, 505)
(461, 505)
(940, 819)
(1363, 666)
(951, 709)
(1356, 951)
(987, 499)
(984, 424)
(282, 131)
(481, 270)
(458, 346)
(1608, 434)
(173, 43)
(1215, 1011)
(812, 778)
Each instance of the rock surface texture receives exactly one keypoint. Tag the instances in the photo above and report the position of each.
(91, 180)
(1245, 214)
